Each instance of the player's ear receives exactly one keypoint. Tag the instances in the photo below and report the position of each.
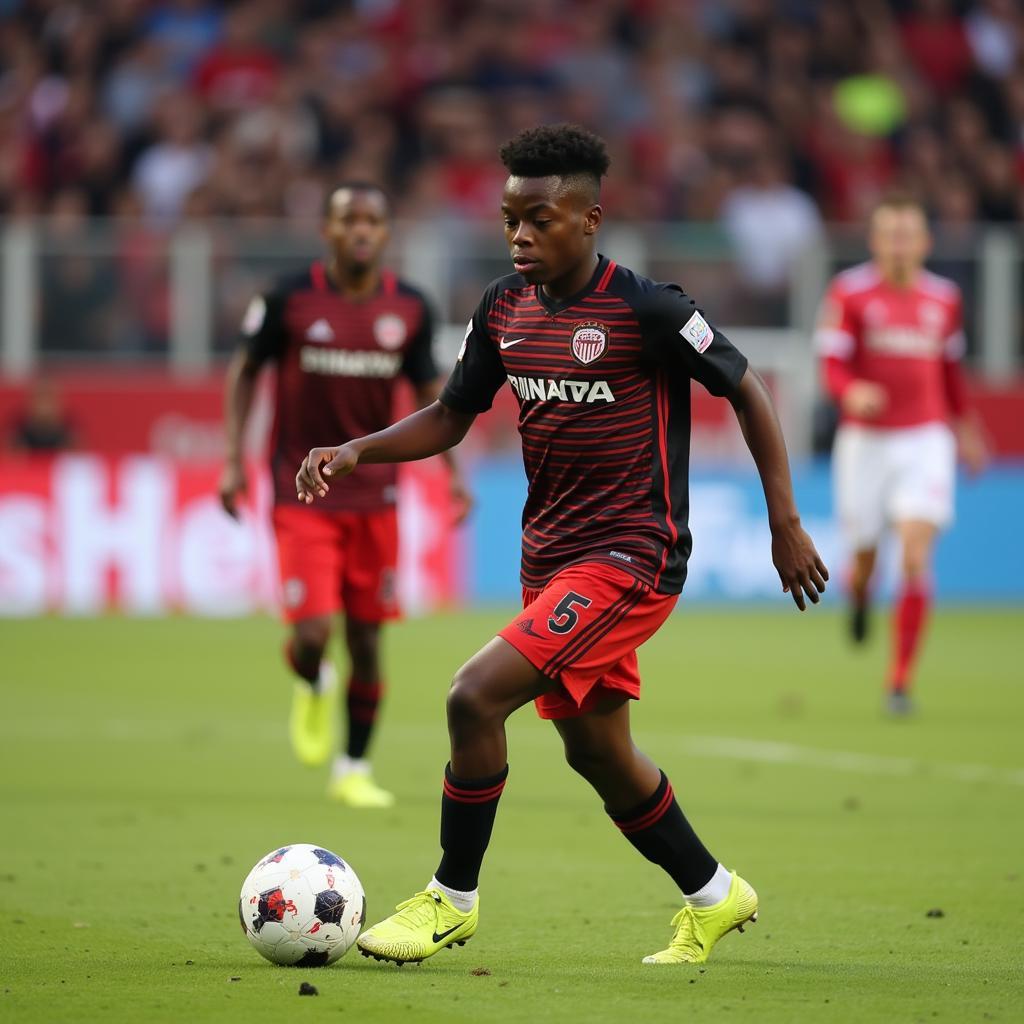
(592, 219)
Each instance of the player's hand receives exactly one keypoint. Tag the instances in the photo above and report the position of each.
(232, 484)
(865, 399)
(462, 497)
(311, 482)
(799, 565)
(973, 449)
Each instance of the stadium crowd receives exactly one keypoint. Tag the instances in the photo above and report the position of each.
(767, 118)
(715, 108)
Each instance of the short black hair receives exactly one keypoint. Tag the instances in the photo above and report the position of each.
(560, 150)
(356, 185)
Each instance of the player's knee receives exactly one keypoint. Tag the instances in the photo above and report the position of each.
(467, 699)
(586, 759)
(311, 637)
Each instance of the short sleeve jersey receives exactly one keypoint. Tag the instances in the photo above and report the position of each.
(603, 385)
(899, 338)
(338, 362)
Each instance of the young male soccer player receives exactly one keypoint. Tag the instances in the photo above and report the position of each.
(891, 336)
(600, 360)
(341, 334)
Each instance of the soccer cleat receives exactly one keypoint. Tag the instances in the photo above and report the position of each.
(899, 705)
(859, 623)
(699, 928)
(419, 928)
(311, 726)
(357, 789)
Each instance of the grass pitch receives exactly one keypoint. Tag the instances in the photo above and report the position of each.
(144, 768)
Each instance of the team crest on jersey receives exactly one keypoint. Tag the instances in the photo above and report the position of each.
(389, 331)
(589, 342)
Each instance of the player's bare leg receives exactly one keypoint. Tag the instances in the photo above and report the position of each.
(351, 782)
(311, 725)
(639, 799)
(496, 681)
(917, 540)
(862, 568)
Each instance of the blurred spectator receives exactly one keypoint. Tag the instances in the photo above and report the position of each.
(183, 30)
(770, 224)
(241, 71)
(43, 426)
(172, 167)
(995, 32)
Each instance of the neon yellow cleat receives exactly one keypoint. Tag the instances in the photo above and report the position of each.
(697, 930)
(357, 789)
(420, 927)
(311, 726)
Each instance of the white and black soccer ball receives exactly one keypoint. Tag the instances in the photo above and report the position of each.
(302, 906)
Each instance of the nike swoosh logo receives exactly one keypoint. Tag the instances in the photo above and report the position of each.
(508, 344)
(444, 935)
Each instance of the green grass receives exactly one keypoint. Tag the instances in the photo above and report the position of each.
(143, 769)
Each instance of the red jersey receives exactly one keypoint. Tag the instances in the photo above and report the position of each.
(603, 385)
(908, 340)
(338, 363)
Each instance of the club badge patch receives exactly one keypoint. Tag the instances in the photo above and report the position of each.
(589, 342)
(389, 331)
(697, 331)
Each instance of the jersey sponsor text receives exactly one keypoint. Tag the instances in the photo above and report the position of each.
(547, 389)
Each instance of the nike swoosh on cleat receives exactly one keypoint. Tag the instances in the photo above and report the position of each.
(444, 935)
(508, 344)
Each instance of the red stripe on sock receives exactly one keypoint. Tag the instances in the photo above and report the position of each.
(651, 817)
(365, 691)
(472, 796)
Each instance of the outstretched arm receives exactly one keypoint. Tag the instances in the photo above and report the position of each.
(427, 432)
(239, 388)
(799, 566)
(461, 496)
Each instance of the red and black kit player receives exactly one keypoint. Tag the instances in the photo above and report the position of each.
(600, 360)
(341, 334)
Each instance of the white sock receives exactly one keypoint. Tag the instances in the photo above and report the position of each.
(714, 892)
(328, 678)
(345, 765)
(464, 901)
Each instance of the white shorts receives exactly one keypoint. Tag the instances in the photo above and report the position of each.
(890, 476)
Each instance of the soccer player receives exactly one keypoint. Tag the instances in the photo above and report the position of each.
(891, 336)
(600, 360)
(341, 334)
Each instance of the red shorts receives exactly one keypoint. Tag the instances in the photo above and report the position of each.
(582, 630)
(337, 561)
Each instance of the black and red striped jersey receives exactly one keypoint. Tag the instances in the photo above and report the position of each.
(338, 361)
(603, 385)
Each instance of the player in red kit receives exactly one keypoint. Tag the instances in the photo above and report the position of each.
(891, 338)
(340, 334)
(600, 361)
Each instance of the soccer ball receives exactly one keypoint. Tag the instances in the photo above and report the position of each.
(302, 906)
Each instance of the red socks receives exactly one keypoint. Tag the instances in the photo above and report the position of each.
(909, 617)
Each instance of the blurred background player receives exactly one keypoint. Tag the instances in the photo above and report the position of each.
(341, 333)
(891, 338)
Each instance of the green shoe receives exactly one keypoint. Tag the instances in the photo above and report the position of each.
(313, 719)
(419, 928)
(698, 929)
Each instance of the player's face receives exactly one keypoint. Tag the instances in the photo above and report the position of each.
(899, 241)
(357, 227)
(550, 225)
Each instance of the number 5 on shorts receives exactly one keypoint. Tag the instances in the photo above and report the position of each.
(565, 616)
